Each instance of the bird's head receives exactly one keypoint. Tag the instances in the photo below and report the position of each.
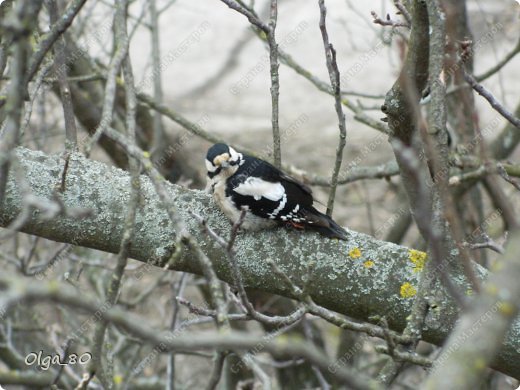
(222, 158)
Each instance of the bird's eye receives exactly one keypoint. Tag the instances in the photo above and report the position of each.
(235, 162)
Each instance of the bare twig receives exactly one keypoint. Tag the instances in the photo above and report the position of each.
(503, 173)
(57, 29)
(351, 174)
(60, 68)
(85, 380)
(235, 229)
(219, 240)
(479, 88)
(487, 244)
(249, 14)
(388, 21)
(500, 64)
(237, 280)
(34, 94)
(158, 129)
(403, 11)
(275, 83)
(332, 67)
(176, 117)
(216, 373)
(210, 313)
(269, 31)
(405, 356)
(177, 288)
(501, 201)
(110, 92)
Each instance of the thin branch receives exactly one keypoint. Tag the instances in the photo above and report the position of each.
(487, 244)
(500, 64)
(239, 284)
(210, 313)
(249, 14)
(177, 118)
(158, 128)
(57, 29)
(60, 68)
(177, 290)
(403, 11)
(480, 171)
(407, 357)
(332, 67)
(121, 51)
(216, 373)
(275, 83)
(352, 174)
(503, 173)
(269, 31)
(479, 88)
(388, 21)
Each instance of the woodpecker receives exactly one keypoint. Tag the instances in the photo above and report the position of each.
(239, 181)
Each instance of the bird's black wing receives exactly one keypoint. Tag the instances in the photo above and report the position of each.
(267, 192)
(273, 174)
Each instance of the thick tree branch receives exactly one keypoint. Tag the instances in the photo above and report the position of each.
(361, 278)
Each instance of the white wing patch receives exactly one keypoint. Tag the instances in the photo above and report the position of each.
(258, 188)
(279, 208)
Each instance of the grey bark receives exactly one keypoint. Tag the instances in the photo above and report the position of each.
(340, 281)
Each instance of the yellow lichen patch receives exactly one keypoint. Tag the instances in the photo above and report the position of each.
(407, 290)
(368, 264)
(506, 309)
(118, 379)
(53, 286)
(469, 292)
(491, 289)
(480, 364)
(418, 259)
(355, 253)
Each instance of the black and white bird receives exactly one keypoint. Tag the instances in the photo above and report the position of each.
(271, 197)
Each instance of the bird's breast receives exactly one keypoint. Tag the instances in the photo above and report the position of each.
(230, 209)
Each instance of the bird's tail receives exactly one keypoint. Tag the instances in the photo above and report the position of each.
(325, 225)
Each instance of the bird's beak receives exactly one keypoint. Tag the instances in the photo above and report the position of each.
(222, 160)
